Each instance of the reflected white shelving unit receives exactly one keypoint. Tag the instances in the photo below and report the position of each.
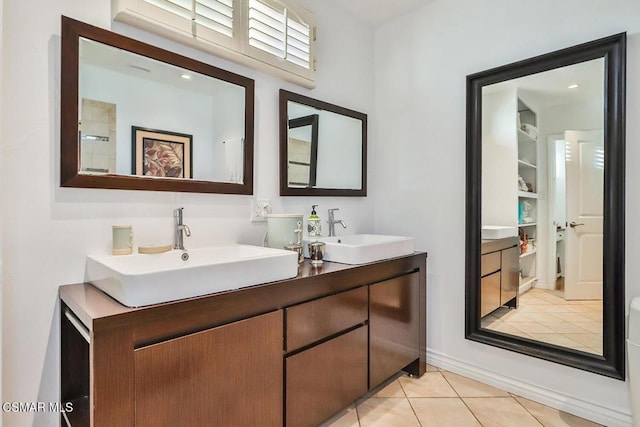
(528, 200)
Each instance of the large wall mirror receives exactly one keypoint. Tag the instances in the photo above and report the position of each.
(545, 206)
(323, 148)
(138, 117)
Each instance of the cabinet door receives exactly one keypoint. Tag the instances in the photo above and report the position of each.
(326, 378)
(489, 293)
(394, 326)
(226, 376)
(509, 278)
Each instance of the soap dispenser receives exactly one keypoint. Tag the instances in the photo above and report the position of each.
(314, 226)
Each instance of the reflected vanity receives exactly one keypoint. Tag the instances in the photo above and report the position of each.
(545, 206)
(138, 117)
(323, 148)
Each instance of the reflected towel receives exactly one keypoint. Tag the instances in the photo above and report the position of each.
(233, 154)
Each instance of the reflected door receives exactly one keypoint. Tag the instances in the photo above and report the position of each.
(584, 237)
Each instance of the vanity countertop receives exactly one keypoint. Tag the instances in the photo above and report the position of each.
(97, 311)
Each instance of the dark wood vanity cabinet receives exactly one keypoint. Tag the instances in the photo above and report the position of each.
(394, 323)
(187, 381)
(326, 364)
(326, 378)
(293, 352)
(499, 274)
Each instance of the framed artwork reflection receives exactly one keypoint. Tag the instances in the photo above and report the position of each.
(159, 153)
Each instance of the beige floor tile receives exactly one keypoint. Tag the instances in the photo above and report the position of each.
(556, 339)
(393, 389)
(565, 327)
(532, 308)
(547, 317)
(521, 334)
(466, 387)
(431, 384)
(431, 368)
(597, 350)
(597, 306)
(563, 308)
(386, 412)
(500, 412)
(489, 322)
(438, 412)
(591, 326)
(582, 308)
(516, 316)
(551, 417)
(533, 327)
(587, 340)
(573, 317)
(346, 418)
(505, 327)
(534, 301)
(594, 315)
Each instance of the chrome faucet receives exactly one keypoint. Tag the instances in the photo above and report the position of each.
(178, 242)
(332, 222)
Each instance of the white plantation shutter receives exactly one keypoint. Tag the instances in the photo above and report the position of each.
(181, 8)
(276, 36)
(279, 31)
(298, 43)
(216, 15)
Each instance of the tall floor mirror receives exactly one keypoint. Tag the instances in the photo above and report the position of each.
(545, 206)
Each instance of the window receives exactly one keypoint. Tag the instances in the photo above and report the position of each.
(280, 32)
(253, 32)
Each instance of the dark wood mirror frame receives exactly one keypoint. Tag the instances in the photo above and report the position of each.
(285, 190)
(72, 31)
(612, 362)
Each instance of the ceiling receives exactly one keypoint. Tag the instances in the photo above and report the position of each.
(378, 12)
(551, 87)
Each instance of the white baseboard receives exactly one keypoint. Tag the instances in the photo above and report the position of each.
(563, 402)
(524, 288)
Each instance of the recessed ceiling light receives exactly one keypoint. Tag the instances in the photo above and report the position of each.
(185, 76)
(574, 86)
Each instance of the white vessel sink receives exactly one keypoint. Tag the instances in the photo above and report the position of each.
(144, 279)
(363, 248)
(494, 232)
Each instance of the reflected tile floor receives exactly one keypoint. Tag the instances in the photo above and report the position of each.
(545, 316)
(441, 399)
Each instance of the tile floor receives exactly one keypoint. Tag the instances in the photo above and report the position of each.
(442, 399)
(543, 315)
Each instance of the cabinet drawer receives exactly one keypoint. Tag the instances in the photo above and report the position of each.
(490, 263)
(326, 378)
(315, 320)
(490, 293)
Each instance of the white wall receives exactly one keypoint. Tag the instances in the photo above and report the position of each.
(142, 103)
(422, 60)
(48, 230)
(339, 147)
(499, 159)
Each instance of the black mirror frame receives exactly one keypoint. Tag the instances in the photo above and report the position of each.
(612, 362)
(285, 190)
(311, 120)
(72, 31)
